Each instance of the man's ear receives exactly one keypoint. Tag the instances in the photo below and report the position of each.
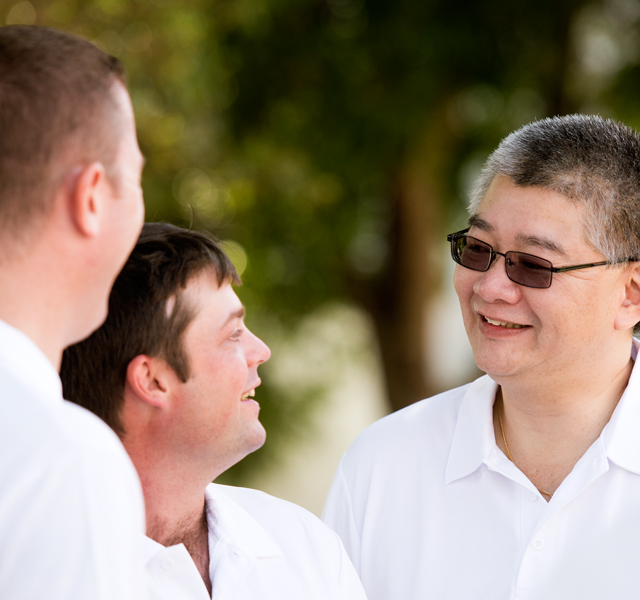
(629, 313)
(87, 198)
(150, 380)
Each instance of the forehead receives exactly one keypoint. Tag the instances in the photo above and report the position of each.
(210, 302)
(531, 216)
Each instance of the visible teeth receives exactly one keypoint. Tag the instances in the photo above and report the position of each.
(250, 394)
(504, 324)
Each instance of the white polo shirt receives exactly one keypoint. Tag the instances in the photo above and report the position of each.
(260, 548)
(428, 507)
(71, 508)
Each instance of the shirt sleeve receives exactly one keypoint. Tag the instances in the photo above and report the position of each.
(349, 583)
(71, 525)
(116, 516)
(338, 514)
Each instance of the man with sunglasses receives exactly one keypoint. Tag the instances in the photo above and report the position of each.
(526, 482)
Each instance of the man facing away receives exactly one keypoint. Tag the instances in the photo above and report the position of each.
(173, 371)
(526, 482)
(71, 508)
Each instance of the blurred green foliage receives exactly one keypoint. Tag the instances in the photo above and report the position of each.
(290, 127)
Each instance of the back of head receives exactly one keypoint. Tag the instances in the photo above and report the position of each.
(147, 315)
(589, 160)
(56, 112)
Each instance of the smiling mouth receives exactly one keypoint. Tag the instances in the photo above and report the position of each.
(504, 324)
(249, 395)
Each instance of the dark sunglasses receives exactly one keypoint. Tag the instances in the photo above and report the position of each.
(523, 269)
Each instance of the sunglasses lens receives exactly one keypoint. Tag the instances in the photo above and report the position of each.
(524, 269)
(471, 253)
(528, 270)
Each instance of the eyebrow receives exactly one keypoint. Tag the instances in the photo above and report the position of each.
(480, 223)
(525, 240)
(238, 314)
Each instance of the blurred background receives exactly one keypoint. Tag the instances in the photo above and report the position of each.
(331, 145)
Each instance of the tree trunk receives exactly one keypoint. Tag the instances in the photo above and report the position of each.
(399, 301)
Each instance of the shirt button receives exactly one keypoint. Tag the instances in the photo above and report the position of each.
(537, 544)
(168, 564)
(533, 496)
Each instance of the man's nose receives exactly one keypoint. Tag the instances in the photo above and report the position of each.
(494, 284)
(259, 352)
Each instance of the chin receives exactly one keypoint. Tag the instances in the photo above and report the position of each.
(259, 437)
(249, 443)
(493, 366)
(253, 438)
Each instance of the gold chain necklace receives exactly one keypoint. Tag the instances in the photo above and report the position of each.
(504, 439)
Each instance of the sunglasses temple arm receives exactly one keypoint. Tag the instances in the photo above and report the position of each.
(585, 266)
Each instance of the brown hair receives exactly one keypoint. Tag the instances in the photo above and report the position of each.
(56, 110)
(147, 315)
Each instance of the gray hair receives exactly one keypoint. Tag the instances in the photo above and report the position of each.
(586, 158)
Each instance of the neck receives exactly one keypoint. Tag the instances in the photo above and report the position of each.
(172, 498)
(168, 529)
(53, 292)
(37, 309)
(174, 501)
(570, 391)
(165, 526)
(548, 428)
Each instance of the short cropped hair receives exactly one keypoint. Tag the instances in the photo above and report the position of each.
(56, 107)
(147, 315)
(589, 160)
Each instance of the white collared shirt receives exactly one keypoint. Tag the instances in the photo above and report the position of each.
(260, 548)
(428, 507)
(71, 508)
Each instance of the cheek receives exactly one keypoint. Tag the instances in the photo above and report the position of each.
(571, 299)
(133, 212)
(232, 372)
(139, 210)
(463, 284)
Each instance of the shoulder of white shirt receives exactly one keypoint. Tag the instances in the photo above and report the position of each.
(419, 420)
(269, 512)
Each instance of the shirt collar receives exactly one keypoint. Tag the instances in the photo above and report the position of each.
(227, 518)
(20, 357)
(620, 436)
(149, 549)
(473, 438)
